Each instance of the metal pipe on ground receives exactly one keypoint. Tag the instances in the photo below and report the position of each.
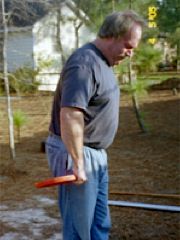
(147, 206)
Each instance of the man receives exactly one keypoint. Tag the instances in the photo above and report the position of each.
(84, 122)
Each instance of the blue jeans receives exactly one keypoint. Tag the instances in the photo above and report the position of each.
(84, 208)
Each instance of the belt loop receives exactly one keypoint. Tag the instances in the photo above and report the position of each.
(51, 134)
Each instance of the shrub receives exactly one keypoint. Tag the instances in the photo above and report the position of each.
(23, 80)
(20, 120)
(146, 58)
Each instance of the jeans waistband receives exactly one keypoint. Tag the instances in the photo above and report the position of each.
(91, 145)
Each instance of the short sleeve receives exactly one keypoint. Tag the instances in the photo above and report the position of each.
(77, 87)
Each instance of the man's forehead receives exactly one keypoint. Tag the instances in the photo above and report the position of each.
(133, 36)
(135, 30)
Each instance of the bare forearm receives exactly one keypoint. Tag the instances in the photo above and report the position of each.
(72, 131)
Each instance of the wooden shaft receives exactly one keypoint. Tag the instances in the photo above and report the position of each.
(176, 196)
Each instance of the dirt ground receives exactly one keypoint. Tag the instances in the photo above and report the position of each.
(138, 163)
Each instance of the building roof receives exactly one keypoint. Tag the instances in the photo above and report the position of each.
(17, 29)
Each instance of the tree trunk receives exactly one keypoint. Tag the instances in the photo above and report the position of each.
(6, 81)
(130, 4)
(58, 36)
(113, 5)
(178, 55)
(135, 102)
(77, 27)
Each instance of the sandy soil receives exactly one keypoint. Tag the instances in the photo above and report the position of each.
(138, 163)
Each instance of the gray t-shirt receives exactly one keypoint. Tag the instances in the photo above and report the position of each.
(88, 83)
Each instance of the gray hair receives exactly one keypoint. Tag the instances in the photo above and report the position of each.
(118, 23)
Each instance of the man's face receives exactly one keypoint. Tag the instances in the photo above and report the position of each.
(123, 47)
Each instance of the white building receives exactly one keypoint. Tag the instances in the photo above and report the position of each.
(42, 45)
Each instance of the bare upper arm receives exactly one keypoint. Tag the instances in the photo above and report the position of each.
(71, 115)
(71, 112)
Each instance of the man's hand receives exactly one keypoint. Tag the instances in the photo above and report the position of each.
(80, 175)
